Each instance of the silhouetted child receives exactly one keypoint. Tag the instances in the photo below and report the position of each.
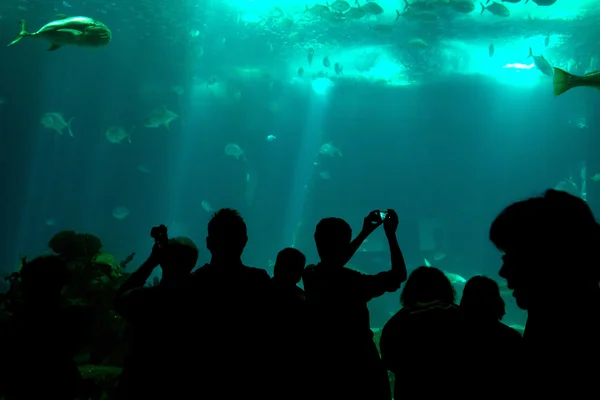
(288, 270)
(493, 348)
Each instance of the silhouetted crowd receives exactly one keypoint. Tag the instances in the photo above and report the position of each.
(230, 331)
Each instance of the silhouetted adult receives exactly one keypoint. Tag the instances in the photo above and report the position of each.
(348, 363)
(551, 262)
(422, 343)
(495, 350)
(158, 323)
(233, 317)
(41, 337)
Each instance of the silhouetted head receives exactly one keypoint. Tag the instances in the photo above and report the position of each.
(481, 299)
(332, 237)
(289, 265)
(227, 235)
(550, 244)
(425, 285)
(180, 258)
(44, 277)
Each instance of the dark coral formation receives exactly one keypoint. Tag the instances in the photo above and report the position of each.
(92, 280)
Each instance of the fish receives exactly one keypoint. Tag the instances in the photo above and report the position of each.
(78, 31)
(506, 1)
(116, 134)
(542, 2)
(564, 80)
(328, 149)
(496, 9)
(462, 6)
(56, 121)
(541, 63)
(491, 50)
(338, 68)
(339, 6)
(234, 150)
(454, 278)
(120, 212)
(596, 177)
(300, 72)
(355, 13)
(310, 55)
(547, 40)
(371, 8)
(160, 117)
(326, 62)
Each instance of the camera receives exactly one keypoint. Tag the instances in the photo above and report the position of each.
(159, 234)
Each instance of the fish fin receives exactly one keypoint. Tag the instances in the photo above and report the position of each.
(61, 16)
(488, 2)
(482, 8)
(530, 53)
(526, 1)
(53, 47)
(397, 14)
(69, 125)
(563, 81)
(21, 34)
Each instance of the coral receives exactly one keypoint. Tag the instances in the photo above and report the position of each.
(73, 245)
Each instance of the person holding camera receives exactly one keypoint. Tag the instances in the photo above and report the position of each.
(157, 318)
(349, 363)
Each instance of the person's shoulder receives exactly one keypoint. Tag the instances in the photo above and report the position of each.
(257, 273)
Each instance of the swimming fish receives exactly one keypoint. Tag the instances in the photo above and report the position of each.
(564, 81)
(541, 63)
(79, 31)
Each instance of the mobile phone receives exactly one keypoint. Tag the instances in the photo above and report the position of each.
(382, 214)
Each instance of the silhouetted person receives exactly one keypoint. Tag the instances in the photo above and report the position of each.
(292, 334)
(551, 262)
(288, 271)
(41, 337)
(421, 343)
(233, 317)
(348, 362)
(157, 318)
(495, 350)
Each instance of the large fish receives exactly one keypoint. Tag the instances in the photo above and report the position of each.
(564, 81)
(79, 31)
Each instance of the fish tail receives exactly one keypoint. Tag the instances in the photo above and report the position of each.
(530, 53)
(563, 81)
(21, 34)
(487, 2)
(397, 14)
(406, 5)
(69, 125)
(482, 8)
